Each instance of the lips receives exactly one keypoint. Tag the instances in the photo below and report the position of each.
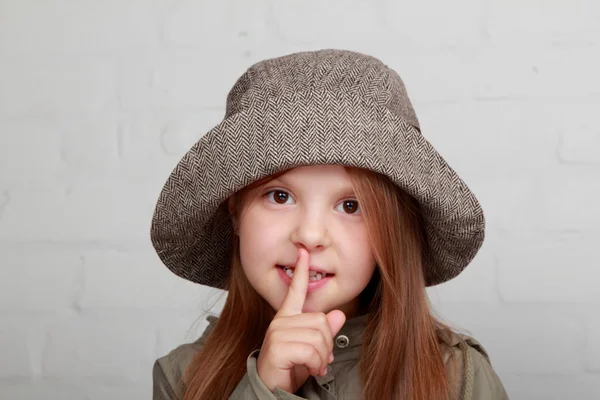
(313, 269)
(313, 284)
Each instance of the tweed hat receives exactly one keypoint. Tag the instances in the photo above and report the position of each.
(316, 107)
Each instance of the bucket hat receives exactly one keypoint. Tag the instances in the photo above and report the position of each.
(327, 106)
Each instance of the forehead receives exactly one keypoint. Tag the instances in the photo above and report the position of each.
(315, 174)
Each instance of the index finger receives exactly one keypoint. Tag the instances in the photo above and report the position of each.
(296, 295)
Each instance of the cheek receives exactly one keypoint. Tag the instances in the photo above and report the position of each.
(358, 254)
(257, 237)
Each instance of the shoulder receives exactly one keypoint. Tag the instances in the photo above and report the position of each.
(453, 344)
(469, 368)
(169, 369)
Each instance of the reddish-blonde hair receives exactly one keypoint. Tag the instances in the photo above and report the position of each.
(400, 357)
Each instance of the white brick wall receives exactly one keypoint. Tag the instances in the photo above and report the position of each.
(100, 99)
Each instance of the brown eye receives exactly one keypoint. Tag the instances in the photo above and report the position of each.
(279, 196)
(350, 206)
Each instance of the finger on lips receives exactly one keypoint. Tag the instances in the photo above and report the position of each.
(308, 337)
(296, 295)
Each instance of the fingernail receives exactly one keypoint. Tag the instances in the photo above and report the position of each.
(331, 357)
(324, 372)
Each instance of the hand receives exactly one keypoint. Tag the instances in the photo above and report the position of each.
(297, 344)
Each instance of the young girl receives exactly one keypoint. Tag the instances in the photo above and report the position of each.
(322, 210)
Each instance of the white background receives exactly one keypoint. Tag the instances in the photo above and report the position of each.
(100, 99)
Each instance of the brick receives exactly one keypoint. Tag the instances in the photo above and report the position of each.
(478, 137)
(168, 135)
(581, 145)
(16, 362)
(535, 387)
(44, 280)
(89, 147)
(4, 201)
(140, 391)
(476, 283)
(41, 151)
(189, 23)
(180, 79)
(506, 201)
(137, 280)
(563, 199)
(25, 332)
(535, 72)
(548, 267)
(425, 81)
(57, 84)
(523, 338)
(153, 143)
(113, 211)
(334, 20)
(49, 390)
(29, 150)
(136, 82)
(497, 159)
(434, 23)
(580, 140)
(543, 21)
(111, 350)
(592, 351)
(496, 72)
(142, 158)
(88, 26)
(181, 131)
(541, 197)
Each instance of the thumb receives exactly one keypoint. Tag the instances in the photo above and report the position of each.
(336, 319)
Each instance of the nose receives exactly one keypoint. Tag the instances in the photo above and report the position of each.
(311, 231)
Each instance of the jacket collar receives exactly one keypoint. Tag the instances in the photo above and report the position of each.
(353, 331)
(347, 342)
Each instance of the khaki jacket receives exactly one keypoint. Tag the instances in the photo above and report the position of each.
(475, 378)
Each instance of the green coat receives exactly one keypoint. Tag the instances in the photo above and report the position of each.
(476, 377)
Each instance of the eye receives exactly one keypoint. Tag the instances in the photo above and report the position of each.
(279, 196)
(349, 206)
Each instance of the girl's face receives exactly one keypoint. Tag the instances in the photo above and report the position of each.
(312, 207)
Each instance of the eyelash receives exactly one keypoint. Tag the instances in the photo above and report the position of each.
(283, 191)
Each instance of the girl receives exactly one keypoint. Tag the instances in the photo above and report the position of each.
(322, 210)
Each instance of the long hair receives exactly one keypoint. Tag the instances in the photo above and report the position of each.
(400, 356)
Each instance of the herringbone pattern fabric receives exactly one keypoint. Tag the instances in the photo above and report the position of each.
(320, 107)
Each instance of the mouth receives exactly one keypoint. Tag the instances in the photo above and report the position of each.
(314, 274)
